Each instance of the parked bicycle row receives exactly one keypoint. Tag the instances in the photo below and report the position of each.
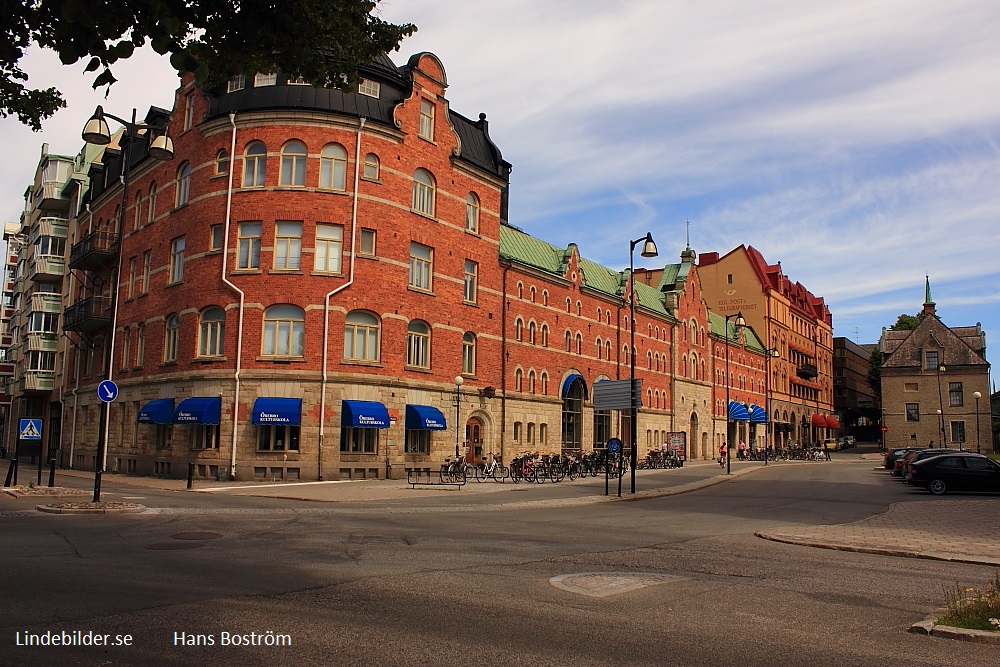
(535, 467)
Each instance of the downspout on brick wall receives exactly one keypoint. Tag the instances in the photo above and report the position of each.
(225, 279)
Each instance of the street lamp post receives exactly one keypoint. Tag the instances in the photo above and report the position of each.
(976, 395)
(740, 323)
(458, 408)
(944, 434)
(648, 250)
(772, 353)
(161, 147)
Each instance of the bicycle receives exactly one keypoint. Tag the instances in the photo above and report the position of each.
(494, 470)
(453, 471)
(523, 467)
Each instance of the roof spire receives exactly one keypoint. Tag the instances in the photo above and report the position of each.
(929, 305)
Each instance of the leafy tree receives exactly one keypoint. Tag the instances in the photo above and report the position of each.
(323, 41)
(875, 371)
(907, 322)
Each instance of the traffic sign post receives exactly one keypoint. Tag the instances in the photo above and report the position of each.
(614, 446)
(107, 391)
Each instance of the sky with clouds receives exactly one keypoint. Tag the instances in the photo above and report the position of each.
(856, 142)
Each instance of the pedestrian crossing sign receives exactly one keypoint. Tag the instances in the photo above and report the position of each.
(31, 429)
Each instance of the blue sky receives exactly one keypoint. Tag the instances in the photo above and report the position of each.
(855, 142)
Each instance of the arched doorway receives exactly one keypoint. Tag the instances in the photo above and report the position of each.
(474, 433)
(692, 436)
(574, 393)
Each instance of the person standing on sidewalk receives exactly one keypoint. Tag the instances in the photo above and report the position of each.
(723, 453)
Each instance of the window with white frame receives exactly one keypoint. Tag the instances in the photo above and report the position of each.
(238, 82)
(329, 248)
(423, 192)
(366, 244)
(472, 212)
(211, 332)
(215, 236)
(417, 442)
(426, 128)
(130, 286)
(293, 164)
(177, 260)
(137, 220)
(421, 266)
(288, 246)
(126, 347)
(188, 111)
(371, 168)
(359, 440)
(369, 88)
(284, 331)
(183, 185)
(222, 162)
(278, 437)
(361, 336)
(140, 344)
(254, 165)
(152, 202)
(469, 354)
(262, 79)
(471, 281)
(955, 395)
(206, 436)
(170, 338)
(147, 268)
(418, 344)
(333, 167)
(248, 246)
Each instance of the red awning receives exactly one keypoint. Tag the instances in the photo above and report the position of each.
(832, 422)
(819, 421)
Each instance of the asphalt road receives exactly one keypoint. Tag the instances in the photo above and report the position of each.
(678, 580)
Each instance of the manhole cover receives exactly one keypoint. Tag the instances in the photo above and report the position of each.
(196, 536)
(602, 584)
(174, 546)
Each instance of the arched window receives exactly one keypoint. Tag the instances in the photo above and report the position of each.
(531, 293)
(518, 379)
(137, 222)
(183, 185)
(518, 329)
(649, 360)
(472, 212)
(170, 338)
(545, 297)
(333, 167)
(600, 348)
(607, 350)
(254, 165)
(284, 331)
(418, 344)
(293, 164)
(221, 162)
(531, 332)
(545, 335)
(423, 192)
(469, 354)
(152, 202)
(361, 336)
(371, 167)
(569, 341)
(569, 305)
(211, 332)
(545, 384)
(531, 381)
(579, 343)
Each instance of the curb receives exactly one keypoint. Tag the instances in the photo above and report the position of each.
(96, 508)
(930, 627)
(879, 551)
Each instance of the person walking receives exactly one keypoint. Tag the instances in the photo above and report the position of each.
(741, 451)
(723, 453)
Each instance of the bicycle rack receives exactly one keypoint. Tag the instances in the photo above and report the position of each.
(427, 477)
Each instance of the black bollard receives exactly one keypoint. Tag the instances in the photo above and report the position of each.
(190, 475)
(52, 472)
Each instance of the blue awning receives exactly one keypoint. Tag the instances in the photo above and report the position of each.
(757, 415)
(738, 412)
(160, 411)
(365, 414)
(568, 382)
(424, 418)
(277, 411)
(199, 411)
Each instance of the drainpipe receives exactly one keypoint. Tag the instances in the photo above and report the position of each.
(503, 365)
(225, 279)
(326, 304)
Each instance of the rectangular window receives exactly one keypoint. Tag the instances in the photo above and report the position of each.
(417, 442)
(265, 79)
(329, 248)
(238, 82)
(421, 258)
(248, 252)
(126, 347)
(206, 436)
(215, 237)
(426, 129)
(188, 111)
(931, 359)
(912, 412)
(140, 345)
(130, 287)
(958, 432)
(359, 440)
(288, 246)
(955, 394)
(278, 437)
(471, 284)
(517, 431)
(147, 267)
(177, 260)
(366, 245)
(369, 88)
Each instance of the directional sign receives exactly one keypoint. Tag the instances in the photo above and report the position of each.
(107, 391)
(614, 445)
(31, 429)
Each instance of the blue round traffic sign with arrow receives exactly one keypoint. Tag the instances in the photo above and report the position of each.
(614, 445)
(107, 391)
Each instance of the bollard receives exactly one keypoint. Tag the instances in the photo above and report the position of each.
(190, 475)
(52, 472)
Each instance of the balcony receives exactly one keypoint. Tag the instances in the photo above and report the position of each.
(45, 302)
(40, 341)
(49, 197)
(47, 267)
(806, 371)
(96, 250)
(38, 381)
(90, 314)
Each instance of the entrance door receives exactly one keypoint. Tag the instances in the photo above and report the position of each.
(473, 441)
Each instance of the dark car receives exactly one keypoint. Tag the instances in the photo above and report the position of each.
(958, 471)
(889, 461)
(899, 470)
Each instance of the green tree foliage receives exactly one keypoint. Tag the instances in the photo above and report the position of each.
(875, 371)
(323, 41)
(907, 322)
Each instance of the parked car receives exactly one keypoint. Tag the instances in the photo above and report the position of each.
(830, 445)
(956, 471)
(899, 470)
(889, 461)
(850, 441)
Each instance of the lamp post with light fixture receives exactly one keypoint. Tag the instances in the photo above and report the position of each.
(944, 434)
(458, 407)
(648, 250)
(772, 353)
(739, 323)
(977, 395)
(161, 147)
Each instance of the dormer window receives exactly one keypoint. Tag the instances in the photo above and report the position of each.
(236, 83)
(369, 88)
(426, 129)
(931, 360)
(265, 79)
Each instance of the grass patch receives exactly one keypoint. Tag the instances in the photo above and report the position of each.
(973, 608)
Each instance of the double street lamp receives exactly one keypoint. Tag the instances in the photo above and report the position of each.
(739, 324)
(161, 147)
(648, 250)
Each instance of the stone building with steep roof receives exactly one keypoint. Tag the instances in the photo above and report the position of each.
(930, 378)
